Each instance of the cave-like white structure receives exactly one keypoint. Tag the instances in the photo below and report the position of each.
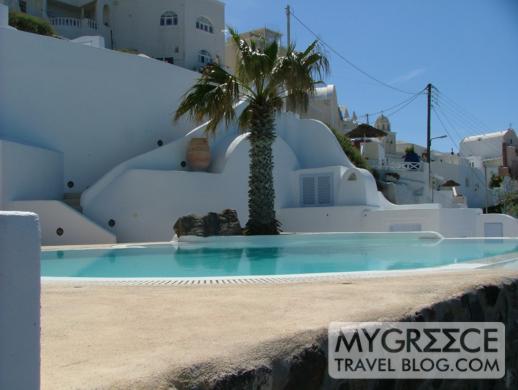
(80, 124)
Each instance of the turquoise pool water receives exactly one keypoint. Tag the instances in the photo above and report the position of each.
(273, 255)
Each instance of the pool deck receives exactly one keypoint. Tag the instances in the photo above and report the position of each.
(116, 336)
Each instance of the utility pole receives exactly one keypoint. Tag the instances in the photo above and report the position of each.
(429, 136)
(288, 26)
(367, 115)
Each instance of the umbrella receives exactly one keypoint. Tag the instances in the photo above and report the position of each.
(366, 131)
(450, 183)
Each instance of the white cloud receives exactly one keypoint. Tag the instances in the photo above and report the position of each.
(408, 76)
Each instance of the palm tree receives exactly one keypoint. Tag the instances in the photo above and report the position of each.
(264, 81)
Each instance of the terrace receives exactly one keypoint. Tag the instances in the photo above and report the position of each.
(73, 19)
(222, 336)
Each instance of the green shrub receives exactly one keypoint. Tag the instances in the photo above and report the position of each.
(30, 23)
(495, 181)
(409, 149)
(350, 150)
(127, 50)
(509, 205)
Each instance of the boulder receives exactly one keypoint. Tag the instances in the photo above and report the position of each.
(225, 223)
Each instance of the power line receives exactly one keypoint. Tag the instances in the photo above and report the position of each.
(395, 106)
(468, 118)
(456, 120)
(473, 170)
(444, 128)
(402, 107)
(351, 64)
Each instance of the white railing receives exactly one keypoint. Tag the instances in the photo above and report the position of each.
(397, 165)
(91, 23)
(65, 21)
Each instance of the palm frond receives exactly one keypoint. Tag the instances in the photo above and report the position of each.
(213, 96)
(296, 72)
(254, 60)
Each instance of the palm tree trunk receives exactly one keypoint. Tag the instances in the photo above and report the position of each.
(261, 192)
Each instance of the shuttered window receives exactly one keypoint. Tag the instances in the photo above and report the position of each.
(324, 190)
(308, 190)
(316, 190)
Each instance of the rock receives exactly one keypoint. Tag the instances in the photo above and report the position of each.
(225, 223)
(229, 223)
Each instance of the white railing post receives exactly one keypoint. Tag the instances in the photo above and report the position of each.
(19, 301)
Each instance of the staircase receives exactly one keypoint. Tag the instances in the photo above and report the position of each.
(73, 199)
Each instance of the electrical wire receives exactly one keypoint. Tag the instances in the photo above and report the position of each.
(444, 128)
(456, 120)
(351, 64)
(402, 107)
(470, 117)
(474, 171)
(395, 106)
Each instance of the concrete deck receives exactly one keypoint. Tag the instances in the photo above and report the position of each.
(141, 336)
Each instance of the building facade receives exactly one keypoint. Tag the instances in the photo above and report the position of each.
(495, 151)
(187, 33)
(261, 36)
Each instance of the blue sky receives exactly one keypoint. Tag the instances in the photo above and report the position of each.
(468, 49)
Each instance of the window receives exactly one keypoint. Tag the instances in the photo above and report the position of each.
(204, 57)
(169, 18)
(316, 190)
(23, 6)
(204, 24)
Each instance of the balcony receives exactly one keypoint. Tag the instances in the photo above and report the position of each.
(389, 164)
(74, 27)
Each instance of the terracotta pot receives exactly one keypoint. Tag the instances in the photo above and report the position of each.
(198, 154)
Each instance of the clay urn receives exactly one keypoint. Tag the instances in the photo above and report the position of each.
(198, 154)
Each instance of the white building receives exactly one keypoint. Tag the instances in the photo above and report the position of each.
(187, 33)
(323, 106)
(109, 143)
(408, 182)
(496, 152)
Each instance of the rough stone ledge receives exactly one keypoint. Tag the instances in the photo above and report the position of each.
(305, 366)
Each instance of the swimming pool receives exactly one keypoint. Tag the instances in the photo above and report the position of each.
(297, 254)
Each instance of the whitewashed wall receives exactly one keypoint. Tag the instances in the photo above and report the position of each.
(471, 179)
(4, 12)
(77, 229)
(19, 301)
(324, 107)
(146, 195)
(96, 106)
(448, 222)
(28, 172)
(145, 204)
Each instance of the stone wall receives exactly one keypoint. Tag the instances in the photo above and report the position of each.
(306, 369)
